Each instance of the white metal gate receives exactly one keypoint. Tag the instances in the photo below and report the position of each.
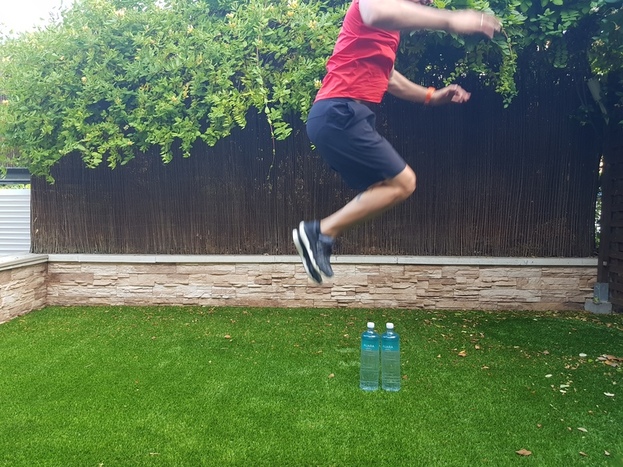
(14, 221)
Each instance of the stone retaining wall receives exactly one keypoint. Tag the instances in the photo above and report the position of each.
(286, 285)
(22, 289)
(362, 282)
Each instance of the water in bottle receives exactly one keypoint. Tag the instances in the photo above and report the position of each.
(390, 359)
(369, 373)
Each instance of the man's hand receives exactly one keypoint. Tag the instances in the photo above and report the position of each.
(417, 15)
(450, 94)
(402, 88)
(474, 22)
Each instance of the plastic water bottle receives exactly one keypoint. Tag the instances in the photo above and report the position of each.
(390, 359)
(369, 373)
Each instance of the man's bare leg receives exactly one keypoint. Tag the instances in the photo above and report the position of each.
(370, 203)
(314, 239)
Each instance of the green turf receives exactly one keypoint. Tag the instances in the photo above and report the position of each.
(171, 386)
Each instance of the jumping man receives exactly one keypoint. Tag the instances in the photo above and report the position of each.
(342, 126)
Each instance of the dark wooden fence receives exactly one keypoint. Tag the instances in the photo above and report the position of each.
(611, 251)
(520, 181)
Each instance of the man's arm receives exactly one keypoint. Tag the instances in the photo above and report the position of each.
(401, 87)
(405, 14)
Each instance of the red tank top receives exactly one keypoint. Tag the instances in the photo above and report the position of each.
(361, 62)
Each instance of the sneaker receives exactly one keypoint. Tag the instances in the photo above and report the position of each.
(310, 269)
(317, 246)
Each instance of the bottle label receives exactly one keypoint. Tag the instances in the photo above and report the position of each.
(390, 348)
(369, 346)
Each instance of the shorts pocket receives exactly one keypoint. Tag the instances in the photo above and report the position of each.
(340, 115)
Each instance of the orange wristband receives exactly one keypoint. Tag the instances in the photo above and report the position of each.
(429, 95)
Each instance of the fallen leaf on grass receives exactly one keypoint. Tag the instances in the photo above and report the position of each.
(583, 430)
(610, 360)
(462, 353)
(227, 336)
(583, 454)
(331, 376)
(524, 452)
(609, 394)
(606, 453)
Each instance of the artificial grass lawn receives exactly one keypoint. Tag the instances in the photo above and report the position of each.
(244, 386)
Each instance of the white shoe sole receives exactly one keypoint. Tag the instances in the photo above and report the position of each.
(307, 245)
(302, 251)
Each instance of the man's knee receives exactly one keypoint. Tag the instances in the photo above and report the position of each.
(407, 182)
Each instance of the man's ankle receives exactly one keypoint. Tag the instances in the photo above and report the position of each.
(325, 231)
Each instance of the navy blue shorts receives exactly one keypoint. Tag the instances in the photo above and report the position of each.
(344, 132)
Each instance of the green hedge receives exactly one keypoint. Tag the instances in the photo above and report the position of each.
(113, 77)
